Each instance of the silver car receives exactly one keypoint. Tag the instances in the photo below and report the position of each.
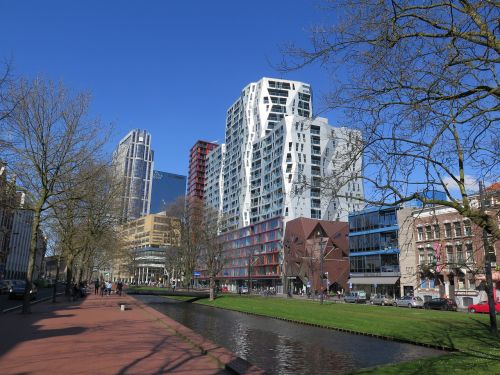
(409, 301)
(381, 299)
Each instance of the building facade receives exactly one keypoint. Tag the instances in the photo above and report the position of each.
(448, 255)
(133, 165)
(8, 204)
(145, 243)
(273, 147)
(307, 244)
(197, 168)
(252, 256)
(374, 249)
(166, 188)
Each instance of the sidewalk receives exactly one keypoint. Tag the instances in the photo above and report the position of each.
(93, 336)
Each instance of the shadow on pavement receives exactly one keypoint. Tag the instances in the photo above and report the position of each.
(17, 328)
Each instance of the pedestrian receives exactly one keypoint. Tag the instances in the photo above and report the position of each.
(108, 287)
(119, 288)
(103, 288)
(96, 289)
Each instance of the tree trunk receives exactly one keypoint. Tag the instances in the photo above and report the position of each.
(69, 277)
(32, 258)
(54, 290)
(212, 288)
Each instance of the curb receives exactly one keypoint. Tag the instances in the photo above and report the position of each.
(226, 359)
(346, 330)
(5, 311)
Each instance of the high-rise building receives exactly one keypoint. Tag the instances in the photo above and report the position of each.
(133, 163)
(20, 242)
(273, 147)
(167, 187)
(197, 166)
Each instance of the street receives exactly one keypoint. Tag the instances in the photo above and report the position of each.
(6, 303)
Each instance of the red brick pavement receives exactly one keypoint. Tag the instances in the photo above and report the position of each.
(93, 336)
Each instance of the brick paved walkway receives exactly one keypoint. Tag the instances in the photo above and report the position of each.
(93, 336)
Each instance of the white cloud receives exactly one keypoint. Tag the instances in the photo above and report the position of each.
(471, 184)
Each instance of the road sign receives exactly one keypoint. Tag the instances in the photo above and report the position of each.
(196, 274)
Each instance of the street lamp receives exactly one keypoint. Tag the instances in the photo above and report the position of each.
(321, 258)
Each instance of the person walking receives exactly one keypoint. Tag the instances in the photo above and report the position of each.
(119, 288)
(108, 287)
(96, 285)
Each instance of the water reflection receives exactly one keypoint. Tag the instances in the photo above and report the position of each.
(287, 348)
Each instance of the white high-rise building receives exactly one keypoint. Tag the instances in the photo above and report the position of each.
(273, 147)
(133, 164)
(214, 178)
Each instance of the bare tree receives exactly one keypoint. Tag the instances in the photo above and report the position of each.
(190, 213)
(212, 255)
(419, 79)
(51, 139)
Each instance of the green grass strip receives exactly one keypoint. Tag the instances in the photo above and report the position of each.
(479, 350)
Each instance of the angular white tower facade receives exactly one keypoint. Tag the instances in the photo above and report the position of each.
(133, 164)
(261, 106)
(272, 147)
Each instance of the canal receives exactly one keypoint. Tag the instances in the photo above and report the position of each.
(281, 347)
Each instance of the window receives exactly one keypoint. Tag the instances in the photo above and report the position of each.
(458, 229)
(437, 234)
(428, 232)
(469, 254)
(420, 234)
(460, 254)
(421, 256)
(449, 254)
(447, 230)
(467, 228)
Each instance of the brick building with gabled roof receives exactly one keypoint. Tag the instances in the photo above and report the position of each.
(304, 242)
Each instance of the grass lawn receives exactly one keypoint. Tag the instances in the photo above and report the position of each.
(468, 333)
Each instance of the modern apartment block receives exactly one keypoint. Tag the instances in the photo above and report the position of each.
(273, 147)
(133, 164)
(167, 187)
(197, 168)
(214, 177)
(252, 256)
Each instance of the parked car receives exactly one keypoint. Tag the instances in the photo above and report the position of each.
(17, 289)
(5, 286)
(355, 297)
(244, 290)
(382, 299)
(441, 304)
(409, 301)
(483, 307)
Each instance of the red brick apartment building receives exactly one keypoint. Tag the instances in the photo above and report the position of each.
(450, 253)
(197, 164)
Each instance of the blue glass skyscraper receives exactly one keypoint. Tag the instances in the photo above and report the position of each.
(167, 187)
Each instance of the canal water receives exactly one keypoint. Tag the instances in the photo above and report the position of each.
(281, 347)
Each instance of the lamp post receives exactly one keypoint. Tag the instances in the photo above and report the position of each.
(321, 270)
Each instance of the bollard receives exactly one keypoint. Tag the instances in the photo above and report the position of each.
(122, 307)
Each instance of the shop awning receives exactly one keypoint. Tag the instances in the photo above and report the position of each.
(374, 280)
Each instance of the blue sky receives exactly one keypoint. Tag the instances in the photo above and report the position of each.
(171, 67)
